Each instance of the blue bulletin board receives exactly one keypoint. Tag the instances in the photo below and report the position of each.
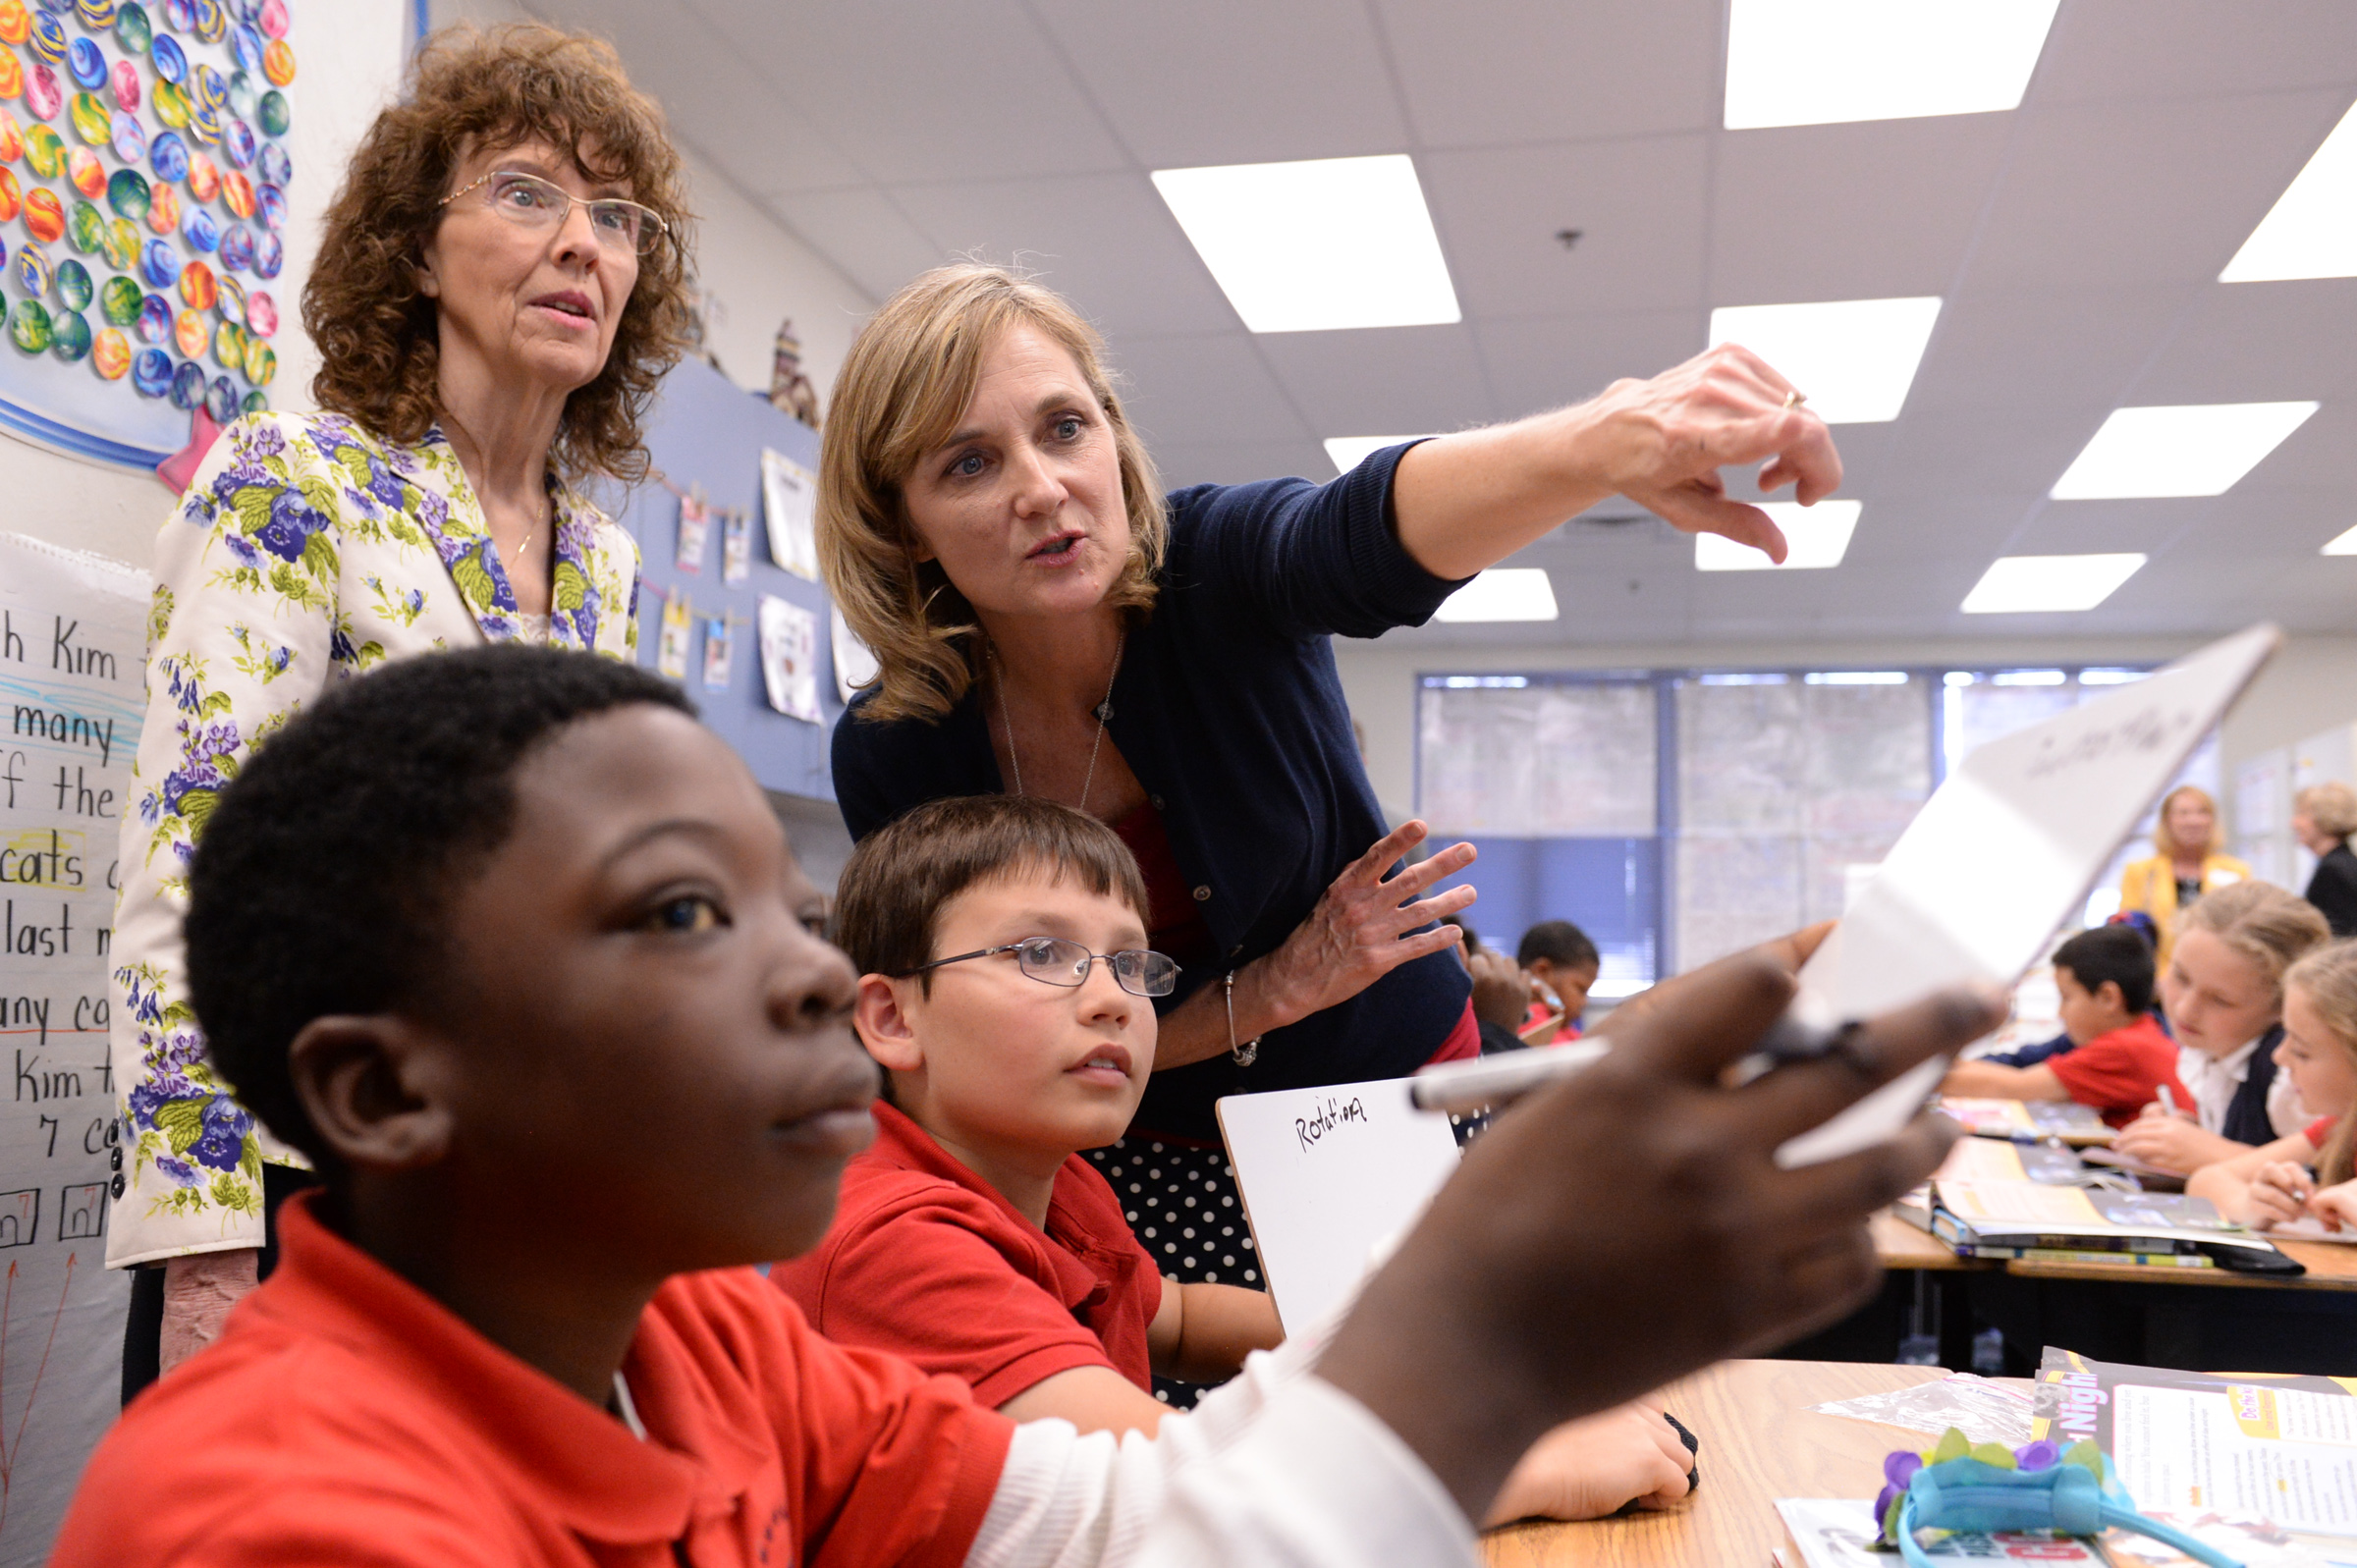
(707, 432)
(143, 177)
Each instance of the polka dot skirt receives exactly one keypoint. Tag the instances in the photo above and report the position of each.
(1182, 1205)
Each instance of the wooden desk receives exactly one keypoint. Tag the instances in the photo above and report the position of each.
(2331, 1266)
(1760, 1441)
(1900, 1245)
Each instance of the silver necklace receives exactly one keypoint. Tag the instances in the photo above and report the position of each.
(1104, 712)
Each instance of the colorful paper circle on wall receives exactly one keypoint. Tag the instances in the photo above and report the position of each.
(125, 79)
(188, 387)
(11, 76)
(278, 63)
(164, 216)
(238, 142)
(204, 177)
(127, 193)
(86, 228)
(273, 165)
(74, 289)
(48, 38)
(123, 244)
(204, 122)
(85, 173)
(12, 140)
(45, 151)
(261, 362)
(44, 216)
(230, 298)
(212, 23)
(243, 96)
(272, 18)
(245, 48)
(256, 402)
(221, 400)
(237, 193)
(236, 247)
(229, 345)
(159, 263)
(110, 353)
(274, 114)
(31, 271)
(156, 319)
(271, 203)
(208, 88)
(93, 121)
(261, 314)
(151, 372)
(131, 141)
(180, 14)
(12, 200)
(190, 334)
(168, 157)
(196, 285)
(201, 229)
(16, 22)
(71, 335)
(119, 301)
(171, 104)
(95, 15)
(85, 63)
(133, 30)
(43, 96)
(28, 326)
(170, 63)
(269, 257)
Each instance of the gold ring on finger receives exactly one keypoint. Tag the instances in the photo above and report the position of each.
(1793, 399)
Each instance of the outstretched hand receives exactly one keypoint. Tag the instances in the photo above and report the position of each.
(1631, 1223)
(1596, 1465)
(1360, 931)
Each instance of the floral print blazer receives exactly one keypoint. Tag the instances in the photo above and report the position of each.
(305, 552)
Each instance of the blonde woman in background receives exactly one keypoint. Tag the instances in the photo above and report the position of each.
(2190, 863)
(2224, 989)
(2322, 816)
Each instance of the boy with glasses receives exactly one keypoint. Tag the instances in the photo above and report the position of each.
(973, 1238)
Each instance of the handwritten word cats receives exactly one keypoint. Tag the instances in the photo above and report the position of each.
(1326, 1119)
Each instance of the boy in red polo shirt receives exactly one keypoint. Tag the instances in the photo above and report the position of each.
(1008, 993)
(2119, 1058)
(513, 950)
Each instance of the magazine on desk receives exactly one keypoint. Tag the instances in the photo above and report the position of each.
(1995, 1217)
(2191, 1444)
(2066, 1119)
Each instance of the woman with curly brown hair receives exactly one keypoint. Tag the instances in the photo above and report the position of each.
(499, 289)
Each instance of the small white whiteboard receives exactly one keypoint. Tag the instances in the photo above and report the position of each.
(1331, 1178)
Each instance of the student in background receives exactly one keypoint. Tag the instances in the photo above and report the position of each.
(1501, 993)
(560, 1040)
(1007, 990)
(2224, 991)
(2119, 1058)
(2322, 816)
(2188, 866)
(1562, 965)
(2276, 1182)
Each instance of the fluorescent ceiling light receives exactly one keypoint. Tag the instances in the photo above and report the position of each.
(1317, 246)
(2028, 677)
(1502, 593)
(1856, 678)
(2014, 584)
(2344, 544)
(2186, 450)
(1744, 679)
(1855, 358)
(2311, 232)
(1816, 62)
(1349, 451)
(1818, 535)
(2110, 677)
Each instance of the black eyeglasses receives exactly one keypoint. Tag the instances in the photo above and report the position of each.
(1054, 961)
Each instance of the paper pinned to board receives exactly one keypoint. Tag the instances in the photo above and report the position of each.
(789, 635)
(790, 507)
(2001, 855)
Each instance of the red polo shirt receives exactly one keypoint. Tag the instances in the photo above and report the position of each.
(2121, 1072)
(928, 1262)
(347, 1417)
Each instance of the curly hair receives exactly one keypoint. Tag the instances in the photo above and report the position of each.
(908, 377)
(470, 88)
(322, 881)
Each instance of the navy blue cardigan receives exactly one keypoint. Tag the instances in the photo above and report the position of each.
(1229, 710)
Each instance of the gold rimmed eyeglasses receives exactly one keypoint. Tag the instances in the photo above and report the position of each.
(542, 205)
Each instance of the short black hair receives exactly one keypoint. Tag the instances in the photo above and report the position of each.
(323, 876)
(2117, 953)
(1559, 941)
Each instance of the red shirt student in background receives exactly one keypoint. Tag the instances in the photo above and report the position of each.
(2121, 1059)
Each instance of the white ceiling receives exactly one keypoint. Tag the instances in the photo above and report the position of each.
(2077, 241)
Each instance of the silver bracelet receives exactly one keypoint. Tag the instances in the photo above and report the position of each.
(1248, 1052)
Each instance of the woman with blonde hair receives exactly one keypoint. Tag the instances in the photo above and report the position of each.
(2224, 990)
(2322, 816)
(1047, 621)
(498, 288)
(2189, 864)
(2273, 1183)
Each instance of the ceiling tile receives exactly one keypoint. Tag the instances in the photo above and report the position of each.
(1484, 72)
(1233, 81)
(2320, 454)
(1382, 381)
(2259, 342)
(2104, 50)
(1640, 205)
(863, 233)
(1538, 364)
(2062, 349)
(1873, 211)
(1239, 462)
(1202, 391)
(2009, 452)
